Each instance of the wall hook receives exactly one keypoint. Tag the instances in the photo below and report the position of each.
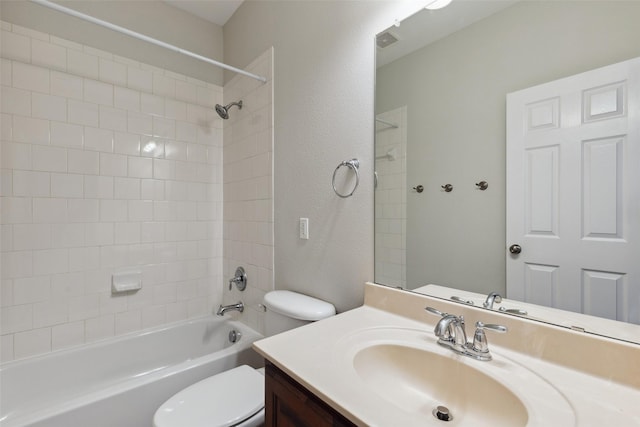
(448, 188)
(482, 185)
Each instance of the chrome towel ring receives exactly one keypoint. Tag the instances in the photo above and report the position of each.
(353, 164)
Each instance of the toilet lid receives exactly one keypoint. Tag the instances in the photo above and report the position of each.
(221, 400)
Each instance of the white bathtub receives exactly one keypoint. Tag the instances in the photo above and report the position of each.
(119, 382)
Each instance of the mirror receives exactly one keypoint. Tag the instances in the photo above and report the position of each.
(440, 120)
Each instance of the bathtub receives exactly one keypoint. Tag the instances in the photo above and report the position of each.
(119, 382)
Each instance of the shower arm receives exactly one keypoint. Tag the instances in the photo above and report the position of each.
(142, 37)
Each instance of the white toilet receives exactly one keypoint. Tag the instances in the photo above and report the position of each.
(236, 397)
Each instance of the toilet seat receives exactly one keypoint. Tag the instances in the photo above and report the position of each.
(223, 400)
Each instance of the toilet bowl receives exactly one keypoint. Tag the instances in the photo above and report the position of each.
(235, 398)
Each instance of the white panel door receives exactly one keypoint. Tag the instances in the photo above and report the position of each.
(573, 193)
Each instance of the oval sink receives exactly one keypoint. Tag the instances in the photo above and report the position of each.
(404, 375)
(418, 381)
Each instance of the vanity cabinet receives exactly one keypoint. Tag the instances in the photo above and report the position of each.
(289, 404)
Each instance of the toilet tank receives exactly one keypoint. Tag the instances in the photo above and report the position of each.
(287, 310)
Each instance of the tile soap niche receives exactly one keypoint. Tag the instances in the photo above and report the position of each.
(126, 281)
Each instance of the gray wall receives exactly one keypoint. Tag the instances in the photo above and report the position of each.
(323, 101)
(455, 92)
(153, 18)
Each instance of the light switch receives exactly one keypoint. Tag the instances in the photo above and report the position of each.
(304, 228)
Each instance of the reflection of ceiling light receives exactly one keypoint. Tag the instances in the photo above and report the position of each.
(149, 147)
(437, 4)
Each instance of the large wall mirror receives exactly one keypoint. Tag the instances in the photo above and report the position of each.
(442, 81)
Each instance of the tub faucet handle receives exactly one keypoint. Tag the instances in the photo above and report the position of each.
(240, 279)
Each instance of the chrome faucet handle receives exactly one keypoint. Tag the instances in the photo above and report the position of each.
(513, 311)
(435, 311)
(240, 279)
(480, 343)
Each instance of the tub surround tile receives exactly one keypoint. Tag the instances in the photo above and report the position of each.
(82, 64)
(128, 321)
(85, 193)
(112, 72)
(67, 335)
(29, 77)
(66, 85)
(83, 162)
(16, 101)
(30, 130)
(29, 343)
(245, 210)
(48, 54)
(6, 347)
(48, 107)
(16, 46)
(66, 135)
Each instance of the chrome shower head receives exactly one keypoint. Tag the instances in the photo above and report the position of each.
(223, 111)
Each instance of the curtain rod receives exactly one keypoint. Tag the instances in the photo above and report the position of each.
(148, 39)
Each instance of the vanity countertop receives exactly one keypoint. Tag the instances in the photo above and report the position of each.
(316, 356)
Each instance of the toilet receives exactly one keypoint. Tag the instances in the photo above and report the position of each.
(235, 398)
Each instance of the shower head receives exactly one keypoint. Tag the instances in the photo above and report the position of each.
(223, 111)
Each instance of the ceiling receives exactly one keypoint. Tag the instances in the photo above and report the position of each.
(216, 11)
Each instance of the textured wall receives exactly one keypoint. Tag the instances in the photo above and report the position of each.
(323, 113)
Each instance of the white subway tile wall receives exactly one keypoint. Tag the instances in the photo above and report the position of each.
(248, 187)
(391, 198)
(108, 164)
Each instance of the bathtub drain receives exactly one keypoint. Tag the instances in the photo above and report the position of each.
(234, 336)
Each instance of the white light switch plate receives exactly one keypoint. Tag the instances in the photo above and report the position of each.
(304, 228)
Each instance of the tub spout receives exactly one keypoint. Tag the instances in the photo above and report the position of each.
(224, 308)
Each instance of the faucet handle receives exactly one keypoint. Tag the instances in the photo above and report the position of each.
(480, 343)
(491, 327)
(435, 311)
(239, 279)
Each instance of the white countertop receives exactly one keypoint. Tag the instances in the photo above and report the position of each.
(315, 356)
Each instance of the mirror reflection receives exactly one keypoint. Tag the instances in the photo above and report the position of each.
(441, 124)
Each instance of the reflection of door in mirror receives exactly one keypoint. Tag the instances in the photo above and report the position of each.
(454, 87)
(391, 196)
(573, 146)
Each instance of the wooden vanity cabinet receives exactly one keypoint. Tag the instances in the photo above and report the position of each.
(289, 404)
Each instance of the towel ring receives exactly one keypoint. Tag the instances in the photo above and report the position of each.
(352, 164)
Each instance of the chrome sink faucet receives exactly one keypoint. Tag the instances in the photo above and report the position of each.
(493, 297)
(450, 329)
(232, 307)
(451, 333)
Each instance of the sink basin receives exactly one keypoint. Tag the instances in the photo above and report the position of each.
(404, 373)
(417, 381)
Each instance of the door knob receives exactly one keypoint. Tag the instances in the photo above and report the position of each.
(419, 188)
(515, 249)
